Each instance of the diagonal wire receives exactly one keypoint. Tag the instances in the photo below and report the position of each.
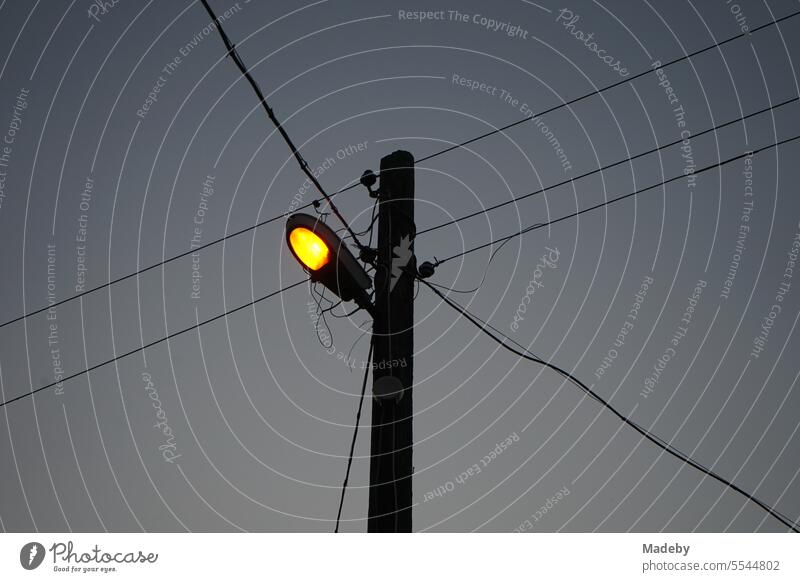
(231, 48)
(606, 88)
(152, 343)
(357, 182)
(604, 168)
(539, 225)
(667, 447)
(148, 268)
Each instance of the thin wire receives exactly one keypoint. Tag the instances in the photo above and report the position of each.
(231, 48)
(346, 314)
(483, 279)
(372, 222)
(355, 436)
(153, 343)
(598, 91)
(151, 267)
(793, 525)
(617, 199)
(369, 229)
(603, 168)
(320, 314)
(356, 183)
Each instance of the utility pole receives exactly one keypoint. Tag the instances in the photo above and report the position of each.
(391, 462)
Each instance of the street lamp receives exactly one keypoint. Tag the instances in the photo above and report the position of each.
(327, 260)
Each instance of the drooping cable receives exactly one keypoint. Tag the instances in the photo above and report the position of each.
(658, 441)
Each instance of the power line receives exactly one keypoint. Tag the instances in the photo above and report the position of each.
(539, 225)
(598, 91)
(354, 184)
(303, 164)
(231, 48)
(502, 240)
(355, 435)
(153, 343)
(658, 441)
(603, 168)
(146, 269)
(171, 259)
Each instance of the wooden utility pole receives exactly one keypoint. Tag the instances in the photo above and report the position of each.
(391, 462)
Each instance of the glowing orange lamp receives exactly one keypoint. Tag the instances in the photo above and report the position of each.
(327, 260)
(309, 248)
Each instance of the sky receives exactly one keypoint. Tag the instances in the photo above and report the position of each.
(129, 137)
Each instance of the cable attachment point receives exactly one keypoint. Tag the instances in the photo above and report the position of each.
(368, 180)
(368, 255)
(426, 270)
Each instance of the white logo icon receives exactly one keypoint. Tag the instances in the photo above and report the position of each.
(401, 256)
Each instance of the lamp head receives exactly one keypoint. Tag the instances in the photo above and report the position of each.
(326, 259)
